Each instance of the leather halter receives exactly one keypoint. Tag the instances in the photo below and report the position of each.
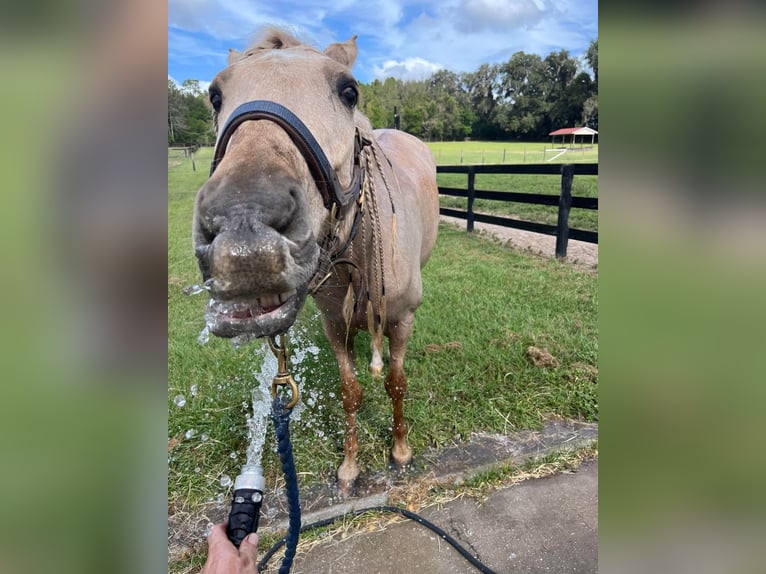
(323, 173)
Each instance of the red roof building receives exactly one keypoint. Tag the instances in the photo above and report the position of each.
(563, 132)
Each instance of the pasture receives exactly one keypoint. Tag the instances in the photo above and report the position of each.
(480, 152)
(467, 364)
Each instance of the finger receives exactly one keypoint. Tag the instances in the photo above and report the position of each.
(248, 550)
(218, 542)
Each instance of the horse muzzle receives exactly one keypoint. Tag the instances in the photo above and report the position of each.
(258, 281)
(264, 316)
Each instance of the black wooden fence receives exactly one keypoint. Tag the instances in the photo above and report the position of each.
(565, 201)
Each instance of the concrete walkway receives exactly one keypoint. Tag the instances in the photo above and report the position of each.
(545, 525)
(540, 525)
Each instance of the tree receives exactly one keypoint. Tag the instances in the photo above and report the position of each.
(482, 87)
(591, 56)
(175, 112)
(522, 81)
(590, 107)
(590, 112)
(192, 87)
(559, 70)
(189, 115)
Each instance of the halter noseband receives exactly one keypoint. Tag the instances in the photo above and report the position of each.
(323, 173)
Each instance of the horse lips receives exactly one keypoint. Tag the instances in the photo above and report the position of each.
(260, 317)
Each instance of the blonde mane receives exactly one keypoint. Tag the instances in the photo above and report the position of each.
(268, 38)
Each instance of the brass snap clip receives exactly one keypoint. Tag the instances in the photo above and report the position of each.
(283, 378)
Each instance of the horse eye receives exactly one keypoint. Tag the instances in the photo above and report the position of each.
(215, 100)
(350, 96)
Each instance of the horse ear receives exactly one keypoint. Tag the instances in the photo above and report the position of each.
(233, 56)
(344, 52)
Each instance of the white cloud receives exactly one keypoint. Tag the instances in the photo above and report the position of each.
(474, 16)
(203, 85)
(408, 69)
(401, 38)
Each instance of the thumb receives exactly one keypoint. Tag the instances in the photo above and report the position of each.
(248, 550)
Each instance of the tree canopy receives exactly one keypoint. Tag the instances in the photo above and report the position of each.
(524, 98)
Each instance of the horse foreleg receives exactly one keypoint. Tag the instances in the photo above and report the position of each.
(351, 394)
(396, 387)
(376, 346)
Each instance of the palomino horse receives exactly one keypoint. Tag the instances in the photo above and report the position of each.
(305, 198)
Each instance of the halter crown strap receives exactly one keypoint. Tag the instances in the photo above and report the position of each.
(323, 173)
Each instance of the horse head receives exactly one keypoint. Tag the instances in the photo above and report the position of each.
(284, 167)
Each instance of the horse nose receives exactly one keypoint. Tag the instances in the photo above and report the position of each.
(258, 200)
(243, 263)
(248, 232)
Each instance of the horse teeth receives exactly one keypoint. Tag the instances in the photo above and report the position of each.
(268, 301)
(285, 296)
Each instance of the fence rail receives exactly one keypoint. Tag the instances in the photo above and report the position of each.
(564, 200)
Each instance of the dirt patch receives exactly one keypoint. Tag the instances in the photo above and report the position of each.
(542, 358)
(580, 254)
(452, 346)
(583, 372)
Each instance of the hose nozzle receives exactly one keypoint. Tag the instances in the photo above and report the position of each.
(246, 506)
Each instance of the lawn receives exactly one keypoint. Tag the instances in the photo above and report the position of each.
(467, 364)
(480, 152)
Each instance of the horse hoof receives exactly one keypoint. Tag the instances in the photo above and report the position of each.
(401, 459)
(347, 475)
(376, 371)
(346, 488)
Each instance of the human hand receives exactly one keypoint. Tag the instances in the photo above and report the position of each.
(224, 558)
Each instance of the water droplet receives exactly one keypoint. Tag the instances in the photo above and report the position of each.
(241, 340)
(197, 470)
(190, 434)
(193, 390)
(208, 529)
(179, 400)
(203, 437)
(225, 481)
(233, 456)
(219, 498)
(194, 290)
(204, 336)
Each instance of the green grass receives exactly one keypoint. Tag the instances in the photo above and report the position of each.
(484, 305)
(480, 152)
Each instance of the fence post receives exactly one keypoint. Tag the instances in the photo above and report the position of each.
(565, 203)
(471, 180)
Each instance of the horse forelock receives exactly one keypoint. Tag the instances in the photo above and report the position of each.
(267, 39)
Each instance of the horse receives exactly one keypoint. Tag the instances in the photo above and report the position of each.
(305, 198)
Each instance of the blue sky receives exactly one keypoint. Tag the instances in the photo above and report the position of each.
(400, 38)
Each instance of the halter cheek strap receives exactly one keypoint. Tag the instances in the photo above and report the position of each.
(323, 173)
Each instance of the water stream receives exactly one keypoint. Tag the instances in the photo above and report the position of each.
(303, 353)
(261, 397)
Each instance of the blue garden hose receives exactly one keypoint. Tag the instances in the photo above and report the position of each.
(281, 418)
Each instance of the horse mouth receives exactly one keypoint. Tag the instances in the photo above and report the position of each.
(264, 316)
